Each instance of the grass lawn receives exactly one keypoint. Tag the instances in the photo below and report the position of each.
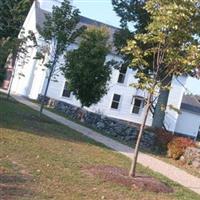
(178, 163)
(41, 159)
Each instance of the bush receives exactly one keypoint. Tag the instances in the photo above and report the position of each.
(162, 139)
(177, 147)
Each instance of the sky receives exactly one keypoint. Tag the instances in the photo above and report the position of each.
(102, 10)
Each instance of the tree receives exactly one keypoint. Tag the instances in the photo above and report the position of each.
(12, 16)
(59, 31)
(4, 52)
(172, 40)
(133, 12)
(86, 68)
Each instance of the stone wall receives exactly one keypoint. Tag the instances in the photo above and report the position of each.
(121, 130)
(192, 157)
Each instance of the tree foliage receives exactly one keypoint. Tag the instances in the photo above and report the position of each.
(172, 40)
(61, 26)
(12, 16)
(86, 68)
(133, 12)
(134, 19)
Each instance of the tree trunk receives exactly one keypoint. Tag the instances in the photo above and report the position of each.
(46, 90)
(14, 57)
(47, 86)
(159, 112)
(136, 151)
(55, 57)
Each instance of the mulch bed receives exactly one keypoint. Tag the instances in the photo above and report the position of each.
(120, 176)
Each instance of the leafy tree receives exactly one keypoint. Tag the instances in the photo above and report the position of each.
(12, 16)
(86, 68)
(133, 12)
(171, 39)
(59, 31)
(4, 52)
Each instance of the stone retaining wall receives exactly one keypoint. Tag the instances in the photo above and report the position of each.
(121, 130)
(192, 157)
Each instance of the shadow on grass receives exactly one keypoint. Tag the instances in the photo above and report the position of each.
(18, 117)
(21, 118)
(14, 115)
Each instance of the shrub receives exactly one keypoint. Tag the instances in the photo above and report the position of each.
(162, 139)
(177, 147)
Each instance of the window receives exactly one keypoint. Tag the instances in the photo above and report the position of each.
(66, 91)
(8, 75)
(138, 105)
(115, 101)
(122, 75)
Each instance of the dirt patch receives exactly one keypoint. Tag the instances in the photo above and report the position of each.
(14, 183)
(120, 176)
(13, 186)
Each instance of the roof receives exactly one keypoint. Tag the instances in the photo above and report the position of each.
(191, 103)
(41, 15)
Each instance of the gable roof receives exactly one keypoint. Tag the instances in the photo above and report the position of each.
(191, 103)
(41, 15)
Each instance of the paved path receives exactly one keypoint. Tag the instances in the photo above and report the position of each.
(173, 173)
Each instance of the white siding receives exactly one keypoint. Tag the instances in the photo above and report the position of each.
(104, 106)
(188, 123)
(175, 99)
(25, 66)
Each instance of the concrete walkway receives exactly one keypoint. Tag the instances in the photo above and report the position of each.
(173, 173)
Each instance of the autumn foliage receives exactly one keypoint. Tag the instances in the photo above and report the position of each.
(178, 145)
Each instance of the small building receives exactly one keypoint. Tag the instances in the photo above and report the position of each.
(188, 122)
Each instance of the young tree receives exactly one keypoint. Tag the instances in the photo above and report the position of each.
(172, 41)
(59, 31)
(133, 12)
(86, 68)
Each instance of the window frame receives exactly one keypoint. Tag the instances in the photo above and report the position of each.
(116, 101)
(64, 88)
(122, 73)
(140, 108)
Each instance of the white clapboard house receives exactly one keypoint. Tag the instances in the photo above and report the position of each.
(122, 101)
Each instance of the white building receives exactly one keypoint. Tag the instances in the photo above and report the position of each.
(188, 122)
(122, 101)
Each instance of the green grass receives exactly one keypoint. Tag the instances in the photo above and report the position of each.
(49, 158)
